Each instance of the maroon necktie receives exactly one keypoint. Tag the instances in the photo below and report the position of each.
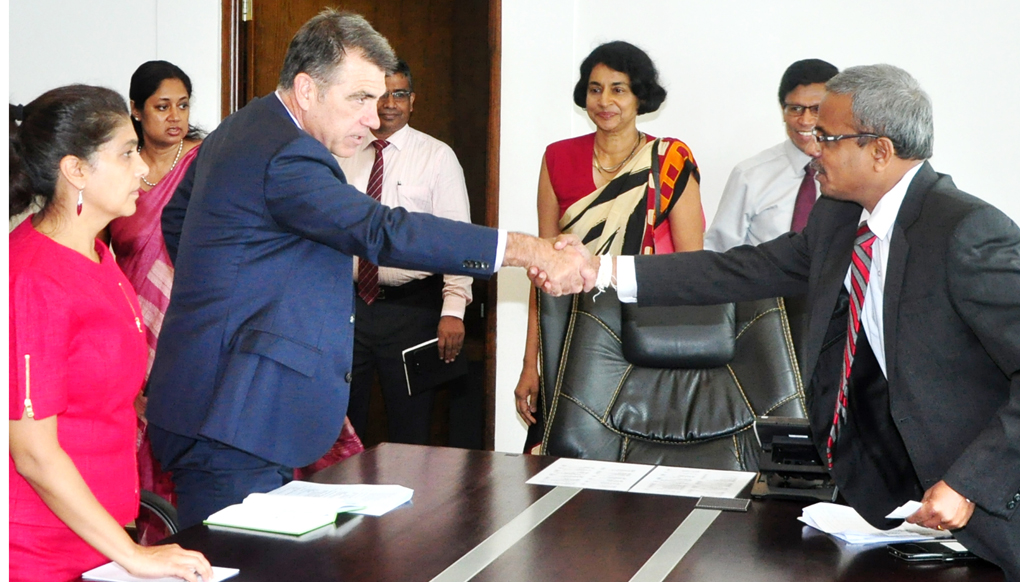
(368, 273)
(806, 196)
(860, 270)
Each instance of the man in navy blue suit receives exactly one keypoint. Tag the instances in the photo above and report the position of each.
(254, 365)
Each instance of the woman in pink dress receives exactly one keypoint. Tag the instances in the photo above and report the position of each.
(77, 346)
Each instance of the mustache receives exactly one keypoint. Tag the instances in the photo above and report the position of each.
(817, 167)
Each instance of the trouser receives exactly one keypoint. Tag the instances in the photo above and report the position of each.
(399, 319)
(209, 475)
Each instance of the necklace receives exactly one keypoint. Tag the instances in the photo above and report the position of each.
(177, 158)
(598, 166)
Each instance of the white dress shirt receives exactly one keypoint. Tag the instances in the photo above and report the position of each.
(880, 221)
(420, 174)
(757, 203)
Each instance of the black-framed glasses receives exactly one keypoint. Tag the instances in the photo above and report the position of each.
(401, 95)
(798, 110)
(822, 138)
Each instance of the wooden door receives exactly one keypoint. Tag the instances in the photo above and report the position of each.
(452, 47)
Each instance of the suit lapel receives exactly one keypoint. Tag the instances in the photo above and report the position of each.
(899, 251)
(832, 256)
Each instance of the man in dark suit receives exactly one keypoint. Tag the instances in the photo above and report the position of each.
(254, 366)
(930, 400)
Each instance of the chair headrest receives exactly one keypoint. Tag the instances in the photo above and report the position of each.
(689, 336)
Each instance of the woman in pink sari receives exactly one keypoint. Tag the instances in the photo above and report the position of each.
(160, 99)
(160, 96)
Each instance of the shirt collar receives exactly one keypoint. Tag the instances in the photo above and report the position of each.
(882, 218)
(798, 159)
(294, 119)
(399, 138)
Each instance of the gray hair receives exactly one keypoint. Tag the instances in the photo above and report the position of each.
(321, 45)
(886, 100)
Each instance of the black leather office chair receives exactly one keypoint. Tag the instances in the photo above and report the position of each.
(157, 519)
(599, 405)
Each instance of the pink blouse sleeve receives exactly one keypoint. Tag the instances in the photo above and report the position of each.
(41, 320)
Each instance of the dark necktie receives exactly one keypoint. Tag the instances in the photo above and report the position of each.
(806, 196)
(368, 272)
(860, 270)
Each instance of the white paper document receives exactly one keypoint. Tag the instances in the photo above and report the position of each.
(112, 572)
(687, 482)
(374, 500)
(609, 476)
(846, 524)
(904, 511)
(586, 474)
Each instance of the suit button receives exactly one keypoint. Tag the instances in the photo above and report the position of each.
(484, 265)
(466, 264)
(352, 318)
(1016, 498)
(347, 377)
(1011, 505)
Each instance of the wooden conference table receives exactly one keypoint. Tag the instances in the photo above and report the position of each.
(463, 497)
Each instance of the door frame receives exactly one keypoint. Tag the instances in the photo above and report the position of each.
(237, 82)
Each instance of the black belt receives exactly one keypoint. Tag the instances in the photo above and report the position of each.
(395, 293)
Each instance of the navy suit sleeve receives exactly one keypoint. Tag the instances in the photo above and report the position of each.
(983, 267)
(306, 196)
(174, 211)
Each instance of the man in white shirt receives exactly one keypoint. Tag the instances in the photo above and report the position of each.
(914, 395)
(420, 174)
(761, 194)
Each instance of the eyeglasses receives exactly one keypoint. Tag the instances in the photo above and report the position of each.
(798, 110)
(402, 95)
(822, 138)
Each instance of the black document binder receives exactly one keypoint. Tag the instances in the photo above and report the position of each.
(424, 370)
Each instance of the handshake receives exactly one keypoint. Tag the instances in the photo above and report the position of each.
(559, 267)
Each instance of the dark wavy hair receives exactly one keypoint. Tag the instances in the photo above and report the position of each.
(146, 80)
(321, 45)
(68, 121)
(805, 72)
(404, 69)
(626, 58)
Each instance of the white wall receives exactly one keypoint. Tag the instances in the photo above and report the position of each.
(721, 61)
(101, 42)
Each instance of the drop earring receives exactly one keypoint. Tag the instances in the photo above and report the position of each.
(80, 200)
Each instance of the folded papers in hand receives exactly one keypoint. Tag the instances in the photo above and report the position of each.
(846, 524)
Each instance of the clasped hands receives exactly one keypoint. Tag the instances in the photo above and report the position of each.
(566, 267)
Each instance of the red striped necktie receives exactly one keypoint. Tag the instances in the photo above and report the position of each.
(368, 272)
(860, 271)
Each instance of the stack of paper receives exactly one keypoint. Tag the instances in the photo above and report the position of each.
(367, 499)
(846, 524)
(112, 572)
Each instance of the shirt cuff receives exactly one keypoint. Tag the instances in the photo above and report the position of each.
(500, 249)
(454, 305)
(626, 279)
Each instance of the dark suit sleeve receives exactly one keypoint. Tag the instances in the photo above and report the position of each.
(174, 211)
(304, 195)
(776, 268)
(983, 268)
